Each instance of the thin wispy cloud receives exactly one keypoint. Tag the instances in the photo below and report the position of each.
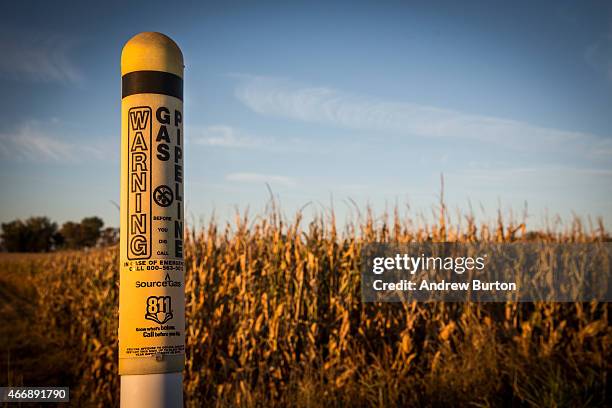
(599, 55)
(224, 136)
(560, 173)
(230, 137)
(258, 178)
(31, 143)
(288, 99)
(38, 57)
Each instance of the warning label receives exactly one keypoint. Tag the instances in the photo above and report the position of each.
(151, 320)
(139, 182)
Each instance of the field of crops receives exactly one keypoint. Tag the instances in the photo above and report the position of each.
(275, 318)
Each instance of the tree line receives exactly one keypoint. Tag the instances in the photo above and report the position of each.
(40, 234)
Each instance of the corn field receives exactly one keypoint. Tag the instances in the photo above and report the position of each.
(275, 318)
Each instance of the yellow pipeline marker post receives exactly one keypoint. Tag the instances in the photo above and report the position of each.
(151, 296)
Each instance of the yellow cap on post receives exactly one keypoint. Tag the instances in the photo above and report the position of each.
(151, 51)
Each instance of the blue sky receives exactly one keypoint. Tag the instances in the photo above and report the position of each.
(325, 102)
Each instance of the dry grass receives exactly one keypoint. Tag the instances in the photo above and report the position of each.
(275, 318)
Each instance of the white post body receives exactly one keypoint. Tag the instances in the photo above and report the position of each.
(152, 390)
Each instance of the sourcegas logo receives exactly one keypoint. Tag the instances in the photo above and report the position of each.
(414, 264)
(166, 283)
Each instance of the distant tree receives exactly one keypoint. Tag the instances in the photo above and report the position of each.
(71, 235)
(58, 240)
(41, 234)
(91, 229)
(83, 234)
(36, 234)
(14, 236)
(109, 237)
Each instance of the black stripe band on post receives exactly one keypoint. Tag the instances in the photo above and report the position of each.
(152, 82)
